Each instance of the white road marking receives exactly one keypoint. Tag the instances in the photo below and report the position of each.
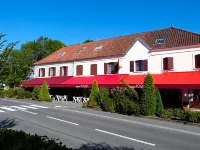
(125, 137)
(58, 106)
(20, 108)
(29, 112)
(1, 111)
(7, 108)
(136, 122)
(63, 120)
(39, 106)
(28, 107)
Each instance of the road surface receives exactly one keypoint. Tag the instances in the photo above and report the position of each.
(90, 129)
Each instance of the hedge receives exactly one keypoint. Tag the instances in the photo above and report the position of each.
(18, 140)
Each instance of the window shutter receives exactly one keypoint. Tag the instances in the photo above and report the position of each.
(197, 61)
(116, 67)
(93, 70)
(131, 66)
(165, 63)
(170, 63)
(65, 70)
(105, 68)
(79, 69)
(145, 65)
(43, 72)
(39, 73)
(54, 71)
(49, 72)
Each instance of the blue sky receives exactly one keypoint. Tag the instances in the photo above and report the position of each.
(73, 21)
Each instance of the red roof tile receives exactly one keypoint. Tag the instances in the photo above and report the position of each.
(118, 46)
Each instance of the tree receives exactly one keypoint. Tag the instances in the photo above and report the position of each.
(44, 93)
(148, 100)
(94, 95)
(88, 41)
(159, 104)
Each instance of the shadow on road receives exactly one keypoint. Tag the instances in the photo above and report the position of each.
(102, 146)
(8, 123)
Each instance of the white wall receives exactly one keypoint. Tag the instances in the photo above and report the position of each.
(183, 60)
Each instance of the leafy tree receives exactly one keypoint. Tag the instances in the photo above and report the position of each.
(94, 95)
(148, 100)
(44, 93)
(159, 104)
(88, 41)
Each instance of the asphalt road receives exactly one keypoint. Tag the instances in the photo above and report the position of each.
(89, 129)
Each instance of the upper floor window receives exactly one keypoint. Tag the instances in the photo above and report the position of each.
(111, 68)
(41, 72)
(64, 71)
(52, 71)
(79, 70)
(160, 40)
(168, 63)
(141, 65)
(93, 69)
(197, 61)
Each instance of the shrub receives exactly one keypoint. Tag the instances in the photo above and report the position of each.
(35, 93)
(148, 100)
(118, 94)
(194, 116)
(130, 92)
(159, 104)
(11, 92)
(85, 104)
(94, 95)
(126, 107)
(18, 140)
(44, 93)
(103, 93)
(108, 104)
(1, 92)
(179, 114)
(20, 93)
(167, 114)
(27, 94)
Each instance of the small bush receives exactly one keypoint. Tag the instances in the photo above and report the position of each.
(159, 104)
(126, 107)
(194, 116)
(103, 93)
(118, 94)
(85, 104)
(27, 94)
(167, 114)
(94, 95)
(18, 140)
(1, 92)
(44, 93)
(10, 93)
(179, 114)
(108, 104)
(20, 93)
(35, 93)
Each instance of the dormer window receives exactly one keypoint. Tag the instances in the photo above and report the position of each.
(78, 51)
(160, 41)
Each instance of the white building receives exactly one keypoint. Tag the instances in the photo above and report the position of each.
(171, 55)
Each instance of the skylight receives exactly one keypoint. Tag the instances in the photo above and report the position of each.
(98, 47)
(78, 51)
(61, 54)
(160, 40)
(83, 48)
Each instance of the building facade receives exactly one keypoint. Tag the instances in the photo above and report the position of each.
(167, 53)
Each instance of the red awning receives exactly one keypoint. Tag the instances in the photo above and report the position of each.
(52, 82)
(87, 81)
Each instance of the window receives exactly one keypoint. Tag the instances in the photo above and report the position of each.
(61, 54)
(141, 65)
(79, 70)
(160, 40)
(41, 72)
(93, 70)
(52, 71)
(168, 63)
(64, 71)
(98, 48)
(111, 68)
(197, 61)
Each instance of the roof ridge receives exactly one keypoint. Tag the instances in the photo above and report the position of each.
(185, 31)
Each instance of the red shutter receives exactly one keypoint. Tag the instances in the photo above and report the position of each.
(49, 72)
(170, 63)
(39, 73)
(79, 70)
(197, 61)
(105, 68)
(145, 65)
(54, 71)
(116, 67)
(165, 63)
(131, 66)
(61, 71)
(93, 70)
(66, 71)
